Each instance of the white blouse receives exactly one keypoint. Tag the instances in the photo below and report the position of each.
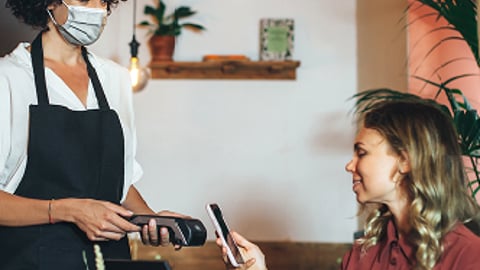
(17, 92)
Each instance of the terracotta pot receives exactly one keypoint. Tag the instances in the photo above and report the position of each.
(162, 48)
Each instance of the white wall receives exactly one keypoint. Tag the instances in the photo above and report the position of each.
(271, 153)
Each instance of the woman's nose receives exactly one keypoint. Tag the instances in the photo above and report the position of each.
(349, 166)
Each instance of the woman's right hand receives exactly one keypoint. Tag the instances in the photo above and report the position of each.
(255, 260)
(100, 220)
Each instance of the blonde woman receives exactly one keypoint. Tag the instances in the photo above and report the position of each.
(407, 166)
(407, 172)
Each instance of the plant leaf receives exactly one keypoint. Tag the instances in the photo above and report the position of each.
(462, 15)
(194, 26)
(183, 12)
(168, 25)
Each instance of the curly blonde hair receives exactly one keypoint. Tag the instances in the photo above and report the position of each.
(436, 184)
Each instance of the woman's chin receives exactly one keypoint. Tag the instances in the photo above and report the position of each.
(360, 199)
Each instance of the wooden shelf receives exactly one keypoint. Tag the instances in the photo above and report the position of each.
(248, 70)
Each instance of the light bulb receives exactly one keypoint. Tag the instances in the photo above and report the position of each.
(139, 75)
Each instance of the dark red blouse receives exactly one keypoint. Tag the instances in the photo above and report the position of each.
(461, 251)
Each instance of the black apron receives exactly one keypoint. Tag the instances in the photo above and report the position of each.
(71, 154)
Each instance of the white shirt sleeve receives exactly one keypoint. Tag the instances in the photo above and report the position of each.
(133, 170)
(5, 129)
(17, 93)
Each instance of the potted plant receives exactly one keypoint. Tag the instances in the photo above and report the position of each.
(164, 28)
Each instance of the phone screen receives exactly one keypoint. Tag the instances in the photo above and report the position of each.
(232, 246)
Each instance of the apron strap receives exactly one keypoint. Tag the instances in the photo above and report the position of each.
(39, 70)
(39, 73)
(102, 100)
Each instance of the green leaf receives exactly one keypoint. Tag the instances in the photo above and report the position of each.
(467, 124)
(167, 24)
(194, 26)
(462, 15)
(144, 23)
(475, 191)
(149, 10)
(183, 12)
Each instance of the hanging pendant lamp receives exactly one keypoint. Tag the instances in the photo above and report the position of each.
(139, 75)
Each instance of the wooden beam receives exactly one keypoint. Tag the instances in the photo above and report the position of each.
(250, 70)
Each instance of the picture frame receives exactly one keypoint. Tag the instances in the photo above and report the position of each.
(276, 39)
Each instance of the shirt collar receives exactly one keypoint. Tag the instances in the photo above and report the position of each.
(392, 240)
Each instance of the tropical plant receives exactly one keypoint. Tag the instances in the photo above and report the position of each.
(462, 17)
(168, 25)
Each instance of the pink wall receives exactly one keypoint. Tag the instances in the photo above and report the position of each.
(421, 40)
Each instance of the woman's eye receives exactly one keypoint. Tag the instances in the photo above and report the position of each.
(361, 153)
(80, 2)
(103, 2)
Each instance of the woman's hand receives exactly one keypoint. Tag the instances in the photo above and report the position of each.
(150, 232)
(255, 260)
(100, 220)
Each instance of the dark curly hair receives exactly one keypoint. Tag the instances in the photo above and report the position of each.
(33, 12)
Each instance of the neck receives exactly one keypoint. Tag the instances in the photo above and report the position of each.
(399, 211)
(57, 49)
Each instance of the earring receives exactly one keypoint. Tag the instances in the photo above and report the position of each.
(400, 171)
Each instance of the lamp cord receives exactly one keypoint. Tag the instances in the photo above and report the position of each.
(134, 16)
(134, 43)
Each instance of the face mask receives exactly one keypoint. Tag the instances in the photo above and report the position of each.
(83, 26)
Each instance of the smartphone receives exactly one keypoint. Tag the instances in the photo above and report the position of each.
(233, 252)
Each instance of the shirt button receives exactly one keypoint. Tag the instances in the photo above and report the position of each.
(393, 261)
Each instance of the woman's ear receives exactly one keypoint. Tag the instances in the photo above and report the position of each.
(404, 166)
(53, 5)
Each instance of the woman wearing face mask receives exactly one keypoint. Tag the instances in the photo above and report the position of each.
(67, 144)
(407, 173)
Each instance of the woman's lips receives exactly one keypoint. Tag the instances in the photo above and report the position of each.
(356, 184)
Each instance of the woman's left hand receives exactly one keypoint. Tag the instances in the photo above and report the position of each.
(255, 259)
(150, 234)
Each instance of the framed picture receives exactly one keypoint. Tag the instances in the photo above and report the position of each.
(276, 39)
